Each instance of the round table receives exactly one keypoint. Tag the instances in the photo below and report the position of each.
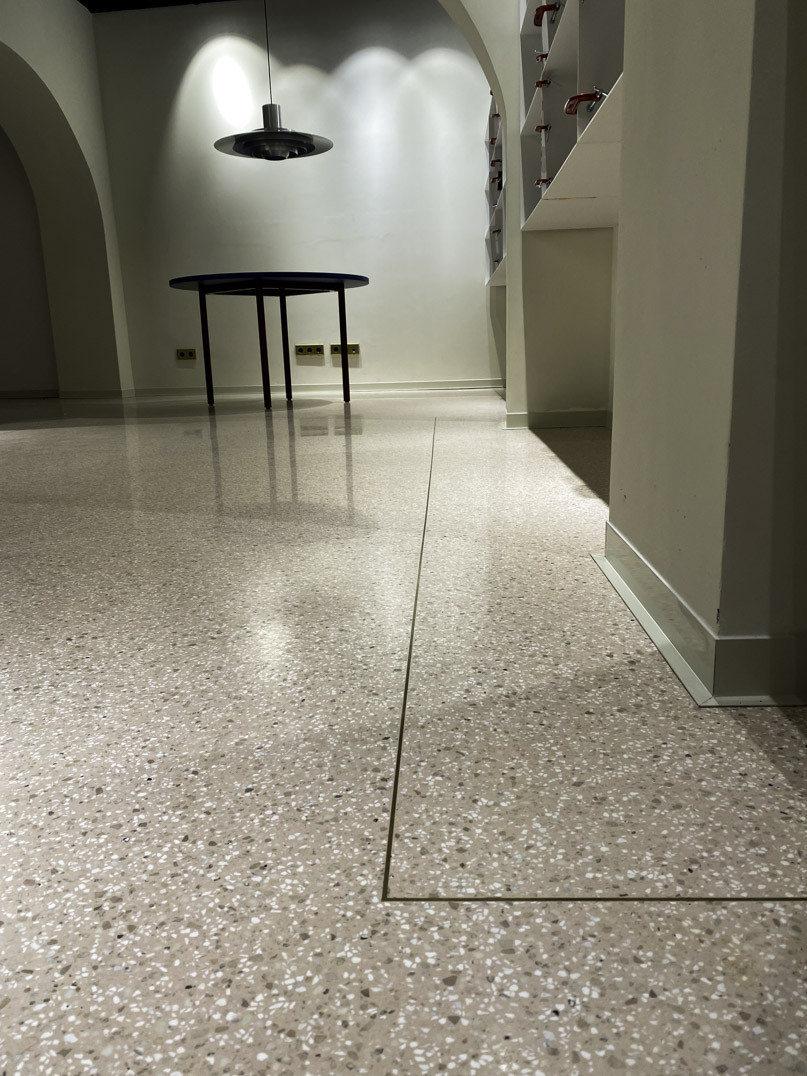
(281, 285)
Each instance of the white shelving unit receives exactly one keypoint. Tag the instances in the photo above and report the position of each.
(600, 50)
(570, 164)
(495, 236)
(585, 190)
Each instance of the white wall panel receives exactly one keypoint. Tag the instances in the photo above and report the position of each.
(400, 198)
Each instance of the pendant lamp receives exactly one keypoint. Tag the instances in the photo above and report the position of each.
(272, 142)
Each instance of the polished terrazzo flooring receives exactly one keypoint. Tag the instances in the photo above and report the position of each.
(226, 852)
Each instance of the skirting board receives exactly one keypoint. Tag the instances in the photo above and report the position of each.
(494, 383)
(694, 685)
(91, 394)
(553, 420)
(719, 660)
(29, 394)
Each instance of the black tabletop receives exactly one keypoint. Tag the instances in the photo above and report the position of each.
(270, 283)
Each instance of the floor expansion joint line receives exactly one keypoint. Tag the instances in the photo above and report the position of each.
(594, 900)
(394, 799)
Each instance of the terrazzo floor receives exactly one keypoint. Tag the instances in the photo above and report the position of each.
(208, 650)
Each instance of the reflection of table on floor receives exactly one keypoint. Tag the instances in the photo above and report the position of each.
(280, 285)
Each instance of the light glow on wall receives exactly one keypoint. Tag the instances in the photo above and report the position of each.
(232, 93)
(401, 198)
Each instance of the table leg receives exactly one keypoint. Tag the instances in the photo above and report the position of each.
(267, 396)
(206, 346)
(284, 332)
(340, 292)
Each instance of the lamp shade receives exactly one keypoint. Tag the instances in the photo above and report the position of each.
(273, 142)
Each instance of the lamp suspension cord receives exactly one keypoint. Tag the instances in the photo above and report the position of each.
(268, 60)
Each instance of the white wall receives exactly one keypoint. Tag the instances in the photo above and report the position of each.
(400, 198)
(683, 189)
(558, 347)
(27, 361)
(492, 28)
(567, 326)
(709, 462)
(764, 582)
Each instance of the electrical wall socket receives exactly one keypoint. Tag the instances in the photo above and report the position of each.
(309, 349)
(186, 353)
(352, 349)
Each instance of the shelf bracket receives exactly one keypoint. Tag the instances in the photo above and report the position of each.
(542, 10)
(574, 102)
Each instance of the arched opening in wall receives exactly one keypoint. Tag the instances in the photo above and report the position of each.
(28, 368)
(461, 17)
(459, 12)
(72, 231)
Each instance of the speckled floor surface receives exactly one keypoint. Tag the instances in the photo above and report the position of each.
(548, 749)
(206, 626)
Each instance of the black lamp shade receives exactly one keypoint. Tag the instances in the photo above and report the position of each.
(272, 142)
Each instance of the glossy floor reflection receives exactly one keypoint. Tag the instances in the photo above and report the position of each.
(206, 626)
(549, 750)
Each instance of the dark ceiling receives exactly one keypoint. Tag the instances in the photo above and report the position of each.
(133, 5)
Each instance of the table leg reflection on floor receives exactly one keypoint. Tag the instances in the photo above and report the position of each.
(305, 425)
(215, 456)
(349, 462)
(292, 455)
(270, 455)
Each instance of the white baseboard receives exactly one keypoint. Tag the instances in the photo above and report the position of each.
(335, 387)
(716, 670)
(553, 420)
(29, 394)
(90, 394)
